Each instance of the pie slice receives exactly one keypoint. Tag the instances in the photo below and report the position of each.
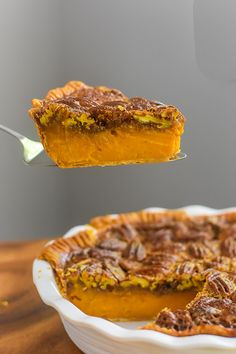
(81, 126)
(137, 265)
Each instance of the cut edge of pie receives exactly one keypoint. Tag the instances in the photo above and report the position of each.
(82, 126)
(132, 266)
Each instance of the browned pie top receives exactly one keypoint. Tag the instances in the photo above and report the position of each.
(82, 106)
(163, 252)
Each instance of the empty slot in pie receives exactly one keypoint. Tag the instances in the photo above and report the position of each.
(132, 304)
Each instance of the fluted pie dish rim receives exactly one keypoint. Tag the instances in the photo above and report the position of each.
(111, 332)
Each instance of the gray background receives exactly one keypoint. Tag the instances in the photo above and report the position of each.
(154, 48)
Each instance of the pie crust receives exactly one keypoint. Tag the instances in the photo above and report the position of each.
(81, 126)
(131, 266)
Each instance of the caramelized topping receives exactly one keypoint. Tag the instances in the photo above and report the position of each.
(98, 108)
(179, 320)
(219, 284)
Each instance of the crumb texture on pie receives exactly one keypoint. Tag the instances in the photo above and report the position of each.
(158, 252)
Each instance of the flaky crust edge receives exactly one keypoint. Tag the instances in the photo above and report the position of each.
(203, 329)
(56, 93)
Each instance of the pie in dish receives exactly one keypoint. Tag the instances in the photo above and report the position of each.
(81, 126)
(138, 265)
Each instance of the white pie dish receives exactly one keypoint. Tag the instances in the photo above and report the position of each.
(95, 335)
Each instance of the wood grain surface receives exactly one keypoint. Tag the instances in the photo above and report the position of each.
(27, 326)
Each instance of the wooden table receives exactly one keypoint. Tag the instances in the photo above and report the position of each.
(27, 326)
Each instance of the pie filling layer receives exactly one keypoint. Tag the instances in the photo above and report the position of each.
(122, 145)
(81, 125)
(139, 265)
(133, 304)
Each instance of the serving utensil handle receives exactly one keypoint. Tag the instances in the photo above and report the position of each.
(11, 132)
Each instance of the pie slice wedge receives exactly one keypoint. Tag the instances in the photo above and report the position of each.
(82, 126)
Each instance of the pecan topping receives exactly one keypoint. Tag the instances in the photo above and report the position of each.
(161, 259)
(218, 283)
(228, 247)
(228, 241)
(181, 231)
(194, 230)
(188, 267)
(124, 232)
(162, 235)
(162, 230)
(164, 257)
(212, 311)
(179, 320)
(159, 235)
(129, 265)
(136, 251)
(169, 247)
(220, 263)
(157, 264)
(113, 244)
(100, 253)
(77, 256)
(228, 231)
(115, 270)
(199, 250)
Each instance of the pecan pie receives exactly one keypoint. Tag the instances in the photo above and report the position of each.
(80, 125)
(136, 265)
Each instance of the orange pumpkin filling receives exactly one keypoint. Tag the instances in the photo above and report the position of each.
(126, 304)
(124, 145)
